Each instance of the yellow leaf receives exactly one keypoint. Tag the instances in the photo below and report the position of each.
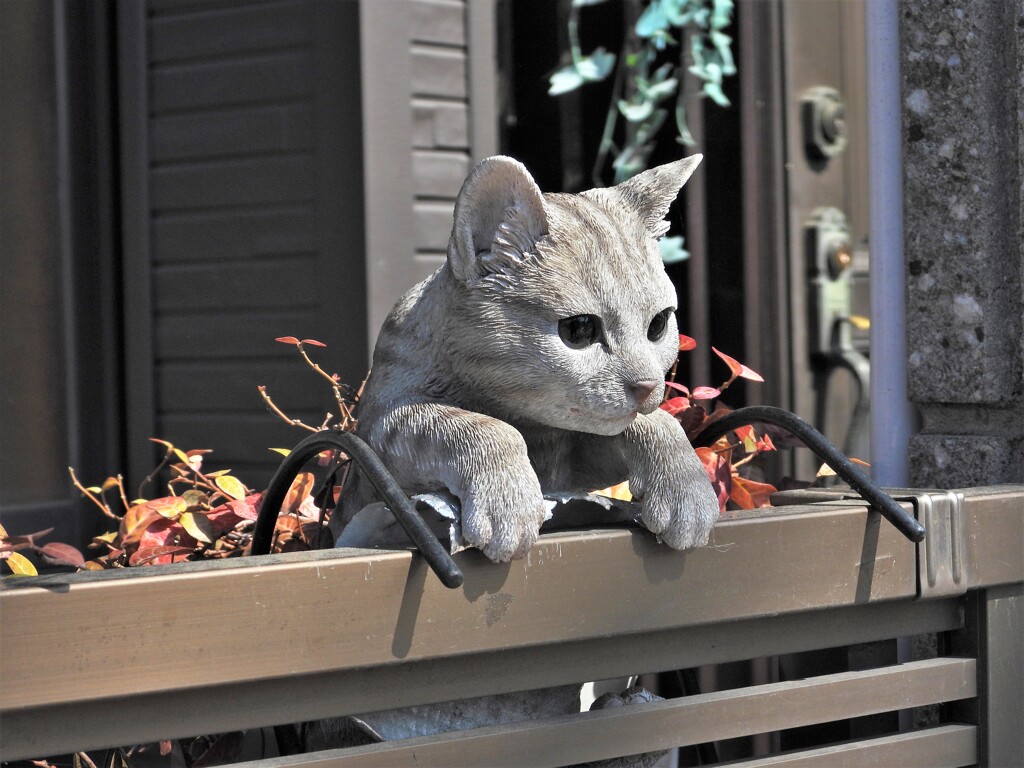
(825, 471)
(232, 486)
(169, 506)
(282, 451)
(20, 565)
(860, 322)
(3, 532)
(182, 457)
(620, 492)
(197, 526)
(110, 482)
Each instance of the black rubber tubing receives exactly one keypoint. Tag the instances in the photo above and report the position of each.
(437, 557)
(832, 456)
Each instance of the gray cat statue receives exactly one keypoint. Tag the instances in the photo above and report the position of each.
(533, 362)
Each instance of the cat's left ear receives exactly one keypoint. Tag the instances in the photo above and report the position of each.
(651, 192)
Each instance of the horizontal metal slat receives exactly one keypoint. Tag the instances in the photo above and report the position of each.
(241, 131)
(233, 234)
(179, 713)
(664, 724)
(268, 179)
(384, 608)
(286, 76)
(227, 31)
(947, 746)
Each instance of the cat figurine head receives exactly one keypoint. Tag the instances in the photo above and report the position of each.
(567, 314)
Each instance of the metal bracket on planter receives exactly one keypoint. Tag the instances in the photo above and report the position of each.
(940, 566)
(813, 439)
(437, 557)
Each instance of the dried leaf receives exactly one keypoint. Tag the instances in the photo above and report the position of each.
(620, 492)
(56, 553)
(20, 565)
(300, 488)
(750, 494)
(197, 526)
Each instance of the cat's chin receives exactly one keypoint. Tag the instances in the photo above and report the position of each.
(584, 421)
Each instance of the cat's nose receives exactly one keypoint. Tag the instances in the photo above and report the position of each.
(642, 389)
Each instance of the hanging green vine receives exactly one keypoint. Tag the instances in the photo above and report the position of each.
(640, 96)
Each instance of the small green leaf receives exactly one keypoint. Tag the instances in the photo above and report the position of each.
(672, 251)
(565, 80)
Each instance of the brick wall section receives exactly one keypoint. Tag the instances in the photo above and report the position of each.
(963, 79)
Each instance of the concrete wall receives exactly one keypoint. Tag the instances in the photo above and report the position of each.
(963, 79)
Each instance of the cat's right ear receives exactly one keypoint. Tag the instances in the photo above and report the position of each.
(499, 217)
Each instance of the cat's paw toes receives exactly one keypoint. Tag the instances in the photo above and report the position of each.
(682, 517)
(503, 528)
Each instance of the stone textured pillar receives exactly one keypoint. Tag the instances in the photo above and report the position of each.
(962, 66)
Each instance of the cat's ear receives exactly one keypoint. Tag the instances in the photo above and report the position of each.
(499, 217)
(651, 192)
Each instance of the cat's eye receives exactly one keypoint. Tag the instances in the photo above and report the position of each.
(579, 331)
(656, 330)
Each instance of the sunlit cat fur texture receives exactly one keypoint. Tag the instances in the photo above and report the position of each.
(486, 382)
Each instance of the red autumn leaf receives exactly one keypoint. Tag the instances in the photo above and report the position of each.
(135, 522)
(314, 342)
(157, 555)
(737, 368)
(747, 437)
(764, 443)
(719, 473)
(247, 508)
(705, 393)
(686, 343)
(62, 554)
(287, 340)
(750, 494)
(163, 532)
(675, 405)
(677, 387)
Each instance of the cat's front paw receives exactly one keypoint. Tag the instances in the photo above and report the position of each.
(679, 507)
(502, 517)
(678, 502)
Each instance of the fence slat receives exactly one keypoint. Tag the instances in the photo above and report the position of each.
(664, 724)
(332, 612)
(947, 746)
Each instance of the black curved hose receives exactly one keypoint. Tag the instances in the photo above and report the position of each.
(827, 452)
(373, 468)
